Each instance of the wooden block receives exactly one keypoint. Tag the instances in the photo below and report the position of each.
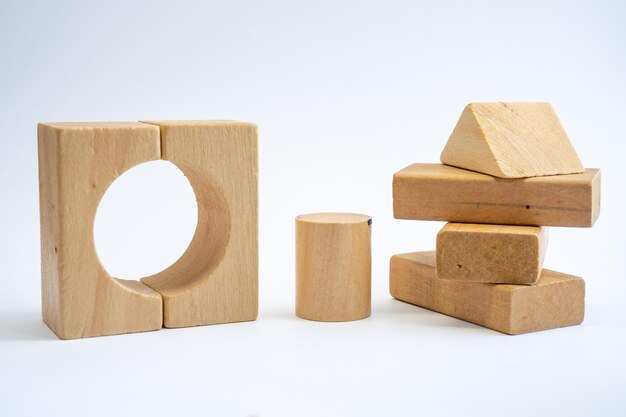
(558, 300)
(444, 193)
(511, 140)
(491, 253)
(333, 266)
(77, 163)
(216, 279)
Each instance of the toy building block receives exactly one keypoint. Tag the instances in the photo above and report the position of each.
(77, 163)
(216, 279)
(511, 140)
(333, 266)
(491, 253)
(558, 300)
(445, 193)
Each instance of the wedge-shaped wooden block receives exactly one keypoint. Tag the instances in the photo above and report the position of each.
(77, 163)
(444, 193)
(491, 253)
(511, 140)
(216, 279)
(558, 300)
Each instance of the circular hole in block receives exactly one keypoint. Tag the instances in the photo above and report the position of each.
(145, 220)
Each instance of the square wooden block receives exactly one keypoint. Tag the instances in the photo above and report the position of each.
(214, 281)
(491, 253)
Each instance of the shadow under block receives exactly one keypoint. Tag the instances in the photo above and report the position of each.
(216, 279)
(77, 163)
(491, 253)
(443, 193)
(333, 266)
(511, 140)
(558, 300)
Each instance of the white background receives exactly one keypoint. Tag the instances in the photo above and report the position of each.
(345, 94)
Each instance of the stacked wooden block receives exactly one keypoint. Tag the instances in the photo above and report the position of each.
(508, 171)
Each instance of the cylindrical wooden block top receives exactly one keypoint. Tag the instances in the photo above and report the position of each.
(333, 266)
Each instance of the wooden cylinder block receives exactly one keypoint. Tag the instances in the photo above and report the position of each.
(333, 266)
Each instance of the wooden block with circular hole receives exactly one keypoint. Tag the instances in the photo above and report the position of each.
(216, 279)
(558, 299)
(77, 163)
(498, 254)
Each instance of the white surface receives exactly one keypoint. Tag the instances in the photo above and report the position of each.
(344, 96)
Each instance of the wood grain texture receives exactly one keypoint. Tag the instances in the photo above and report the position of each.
(216, 279)
(558, 300)
(491, 253)
(511, 140)
(444, 193)
(77, 163)
(333, 266)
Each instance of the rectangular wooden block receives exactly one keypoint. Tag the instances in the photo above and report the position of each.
(557, 300)
(491, 253)
(444, 193)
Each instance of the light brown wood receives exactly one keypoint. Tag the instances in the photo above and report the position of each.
(491, 253)
(511, 140)
(558, 300)
(216, 279)
(77, 163)
(333, 266)
(444, 193)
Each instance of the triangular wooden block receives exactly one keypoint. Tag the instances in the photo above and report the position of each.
(511, 140)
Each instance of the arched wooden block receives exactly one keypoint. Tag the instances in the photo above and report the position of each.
(511, 140)
(77, 163)
(216, 279)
